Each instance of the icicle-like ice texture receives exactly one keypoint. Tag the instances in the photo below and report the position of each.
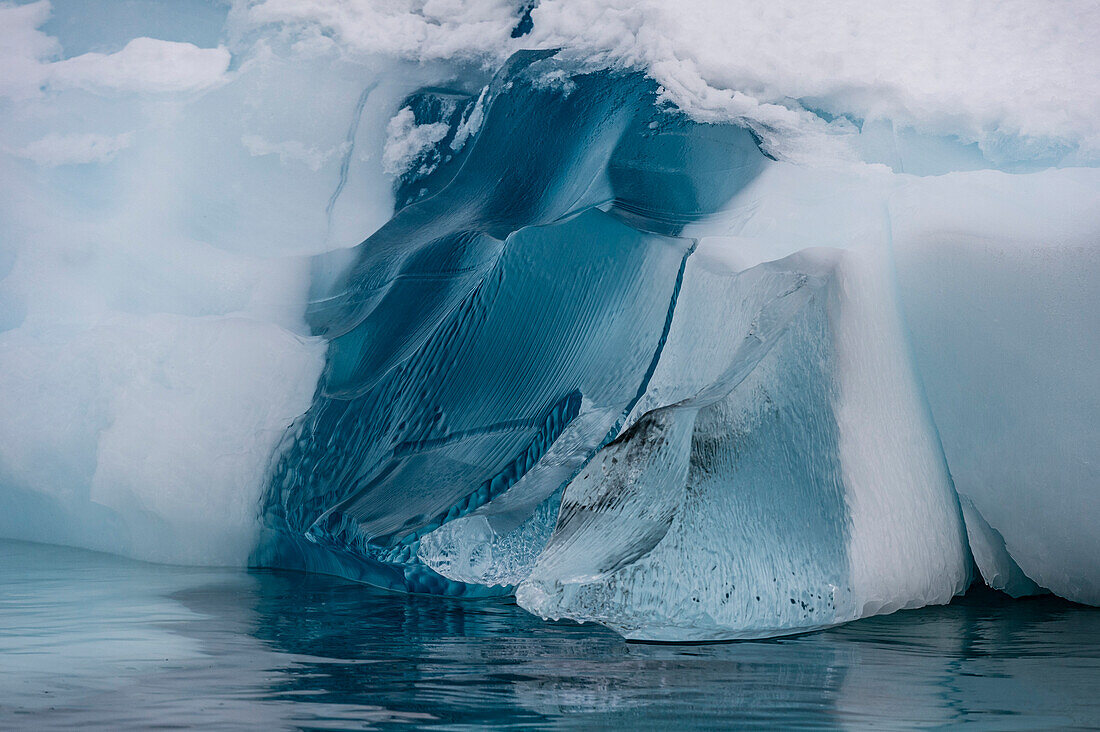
(696, 349)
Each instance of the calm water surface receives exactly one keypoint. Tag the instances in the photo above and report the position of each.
(89, 640)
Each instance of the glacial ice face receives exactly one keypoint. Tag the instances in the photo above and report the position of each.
(538, 318)
(476, 407)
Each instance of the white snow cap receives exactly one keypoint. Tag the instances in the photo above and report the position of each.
(980, 70)
(405, 140)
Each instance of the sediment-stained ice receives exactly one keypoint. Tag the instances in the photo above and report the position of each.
(769, 491)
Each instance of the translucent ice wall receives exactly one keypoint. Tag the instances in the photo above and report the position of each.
(700, 320)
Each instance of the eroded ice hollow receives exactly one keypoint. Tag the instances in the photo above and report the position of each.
(637, 371)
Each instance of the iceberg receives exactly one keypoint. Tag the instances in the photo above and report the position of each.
(776, 424)
(581, 302)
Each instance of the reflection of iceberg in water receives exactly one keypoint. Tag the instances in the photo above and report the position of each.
(149, 645)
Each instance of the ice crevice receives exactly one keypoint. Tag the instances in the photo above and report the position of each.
(349, 150)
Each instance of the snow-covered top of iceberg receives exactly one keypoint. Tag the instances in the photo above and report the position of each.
(1019, 73)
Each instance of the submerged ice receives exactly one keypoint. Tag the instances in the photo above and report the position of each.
(644, 351)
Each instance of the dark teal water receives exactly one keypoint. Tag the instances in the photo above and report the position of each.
(92, 641)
